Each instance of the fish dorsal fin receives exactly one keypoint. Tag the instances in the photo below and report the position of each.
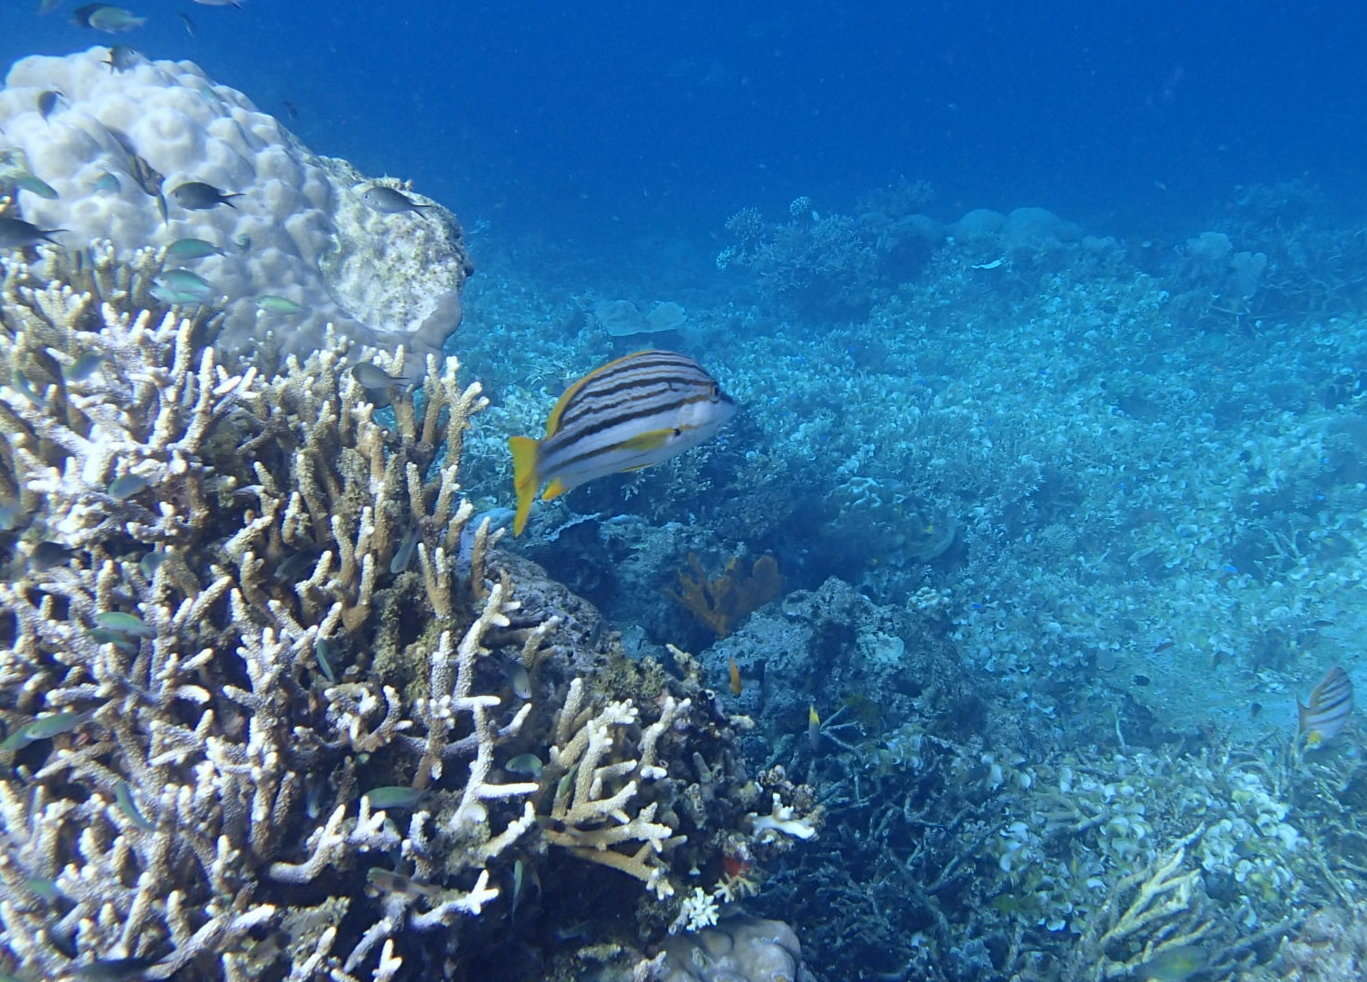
(553, 422)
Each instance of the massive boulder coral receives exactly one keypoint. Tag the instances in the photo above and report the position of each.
(739, 948)
(272, 702)
(126, 132)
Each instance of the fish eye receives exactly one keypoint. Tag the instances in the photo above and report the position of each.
(678, 432)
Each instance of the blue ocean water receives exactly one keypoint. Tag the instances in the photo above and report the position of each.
(606, 117)
(1073, 512)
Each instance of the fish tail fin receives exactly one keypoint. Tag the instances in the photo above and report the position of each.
(525, 478)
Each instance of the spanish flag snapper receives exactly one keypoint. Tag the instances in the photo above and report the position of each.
(638, 410)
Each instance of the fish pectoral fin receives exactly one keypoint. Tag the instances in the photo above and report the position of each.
(554, 490)
(649, 440)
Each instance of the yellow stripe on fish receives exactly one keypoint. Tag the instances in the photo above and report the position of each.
(638, 410)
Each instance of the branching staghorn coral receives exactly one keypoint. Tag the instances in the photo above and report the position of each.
(236, 604)
(1146, 913)
(589, 811)
(159, 496)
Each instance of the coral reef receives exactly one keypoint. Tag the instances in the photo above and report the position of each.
(1331, 946)
(1065, 530)
(270, 699)
(738, 948)
(721, 602)
(295, 249)
(832, 265)
(961, 861)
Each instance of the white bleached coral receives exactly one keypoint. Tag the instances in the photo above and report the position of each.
(596, 806)
(299, 231)
(224, 654)
(782, 820)
(206, 762)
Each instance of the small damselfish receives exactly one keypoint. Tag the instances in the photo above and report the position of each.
(628, 414)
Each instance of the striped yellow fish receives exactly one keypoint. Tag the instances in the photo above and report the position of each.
(1330, 703)
(630, 413)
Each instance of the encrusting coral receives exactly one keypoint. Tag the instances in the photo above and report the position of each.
(241, 613)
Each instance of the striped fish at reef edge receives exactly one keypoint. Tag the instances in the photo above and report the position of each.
(638, 410)
(1331, 702)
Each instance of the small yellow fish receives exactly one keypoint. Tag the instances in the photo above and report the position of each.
(734, 670)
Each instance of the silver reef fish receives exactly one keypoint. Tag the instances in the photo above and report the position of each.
(395, 796)
(387, 881)
(181, 286)
(388, 201)
(83, 367)
(125, 487)
(273, 304)
(47, 102)
(630, 413)
(148, 179)
(198, 196)
(121, 58)
(380, 387)
(15, 233)
(43, 728)
(185, 249)
(36, 185)
(107, 18)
